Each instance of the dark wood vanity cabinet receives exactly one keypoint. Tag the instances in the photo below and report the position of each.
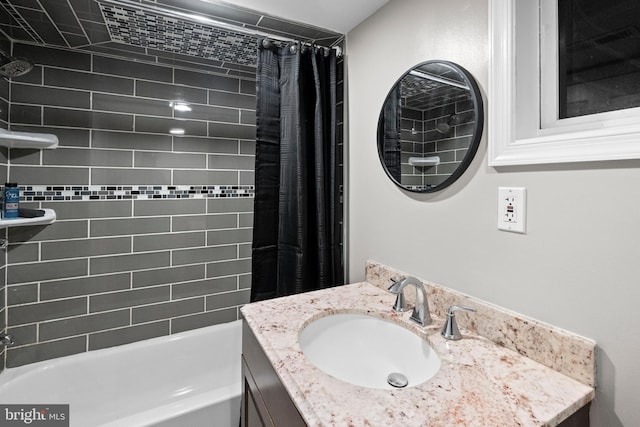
(265, 401)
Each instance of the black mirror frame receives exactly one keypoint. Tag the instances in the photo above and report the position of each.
(477, 131)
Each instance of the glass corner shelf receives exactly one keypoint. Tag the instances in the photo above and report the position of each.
(40, 141)
(424, 161)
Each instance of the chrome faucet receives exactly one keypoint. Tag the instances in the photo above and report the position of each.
(6, 340)
(421, 314)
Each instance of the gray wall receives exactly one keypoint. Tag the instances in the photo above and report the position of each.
(577, 267)
(120, 265)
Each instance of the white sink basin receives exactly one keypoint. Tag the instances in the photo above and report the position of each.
(365, 350)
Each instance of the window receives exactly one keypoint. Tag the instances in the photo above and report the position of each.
(598, 56)
(564, 81)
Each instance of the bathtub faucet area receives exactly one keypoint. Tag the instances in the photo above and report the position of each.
(6, 340)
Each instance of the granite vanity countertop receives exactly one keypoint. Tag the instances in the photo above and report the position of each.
(478, 384)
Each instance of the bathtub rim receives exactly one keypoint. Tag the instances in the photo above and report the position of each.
(9, 375)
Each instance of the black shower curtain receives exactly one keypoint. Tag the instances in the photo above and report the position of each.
(296, 232)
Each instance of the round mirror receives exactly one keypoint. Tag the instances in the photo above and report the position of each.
(430, 126)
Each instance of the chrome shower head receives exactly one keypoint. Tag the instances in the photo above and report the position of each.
(445, 127)
(14, 67)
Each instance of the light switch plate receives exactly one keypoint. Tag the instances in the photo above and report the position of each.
(512, 209)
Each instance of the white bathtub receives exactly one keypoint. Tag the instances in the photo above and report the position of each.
(188, 379)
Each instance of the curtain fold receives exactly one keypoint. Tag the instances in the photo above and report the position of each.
(296, 234)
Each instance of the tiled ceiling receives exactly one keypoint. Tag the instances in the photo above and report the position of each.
(122, 27)
(418, 92)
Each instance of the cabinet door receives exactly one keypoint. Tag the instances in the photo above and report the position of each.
(250, 414)
(254, 410)
(264, 394)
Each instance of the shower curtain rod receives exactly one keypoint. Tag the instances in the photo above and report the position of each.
(205, 20)
(439, 79)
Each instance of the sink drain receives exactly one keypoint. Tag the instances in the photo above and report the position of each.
(396, 379)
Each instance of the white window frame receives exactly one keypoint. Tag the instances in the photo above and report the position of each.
(516, 136)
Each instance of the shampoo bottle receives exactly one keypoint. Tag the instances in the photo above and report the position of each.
(10, 200)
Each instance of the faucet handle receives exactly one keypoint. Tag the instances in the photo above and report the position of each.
(450, 330)
(395, 286)
(400, 305)
(6, 340)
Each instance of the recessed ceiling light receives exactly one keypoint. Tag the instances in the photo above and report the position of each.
(180, 106)
(176, 131)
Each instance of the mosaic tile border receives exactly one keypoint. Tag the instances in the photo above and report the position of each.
(36, 193)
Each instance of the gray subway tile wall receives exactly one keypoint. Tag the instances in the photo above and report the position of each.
(84, 157)
(66, 78)
(128, 334)
(183, 275)
(111, 272)
(126, 68)
(420, 138)
(25, 114)
(46, 350)
(71, 137)
(77, 248)
(66, 288)
(83, 324)
(22, 294)
(128, 141)
(53, 176)
(186, 323)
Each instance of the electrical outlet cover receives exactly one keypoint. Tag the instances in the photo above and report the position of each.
(512, 209)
